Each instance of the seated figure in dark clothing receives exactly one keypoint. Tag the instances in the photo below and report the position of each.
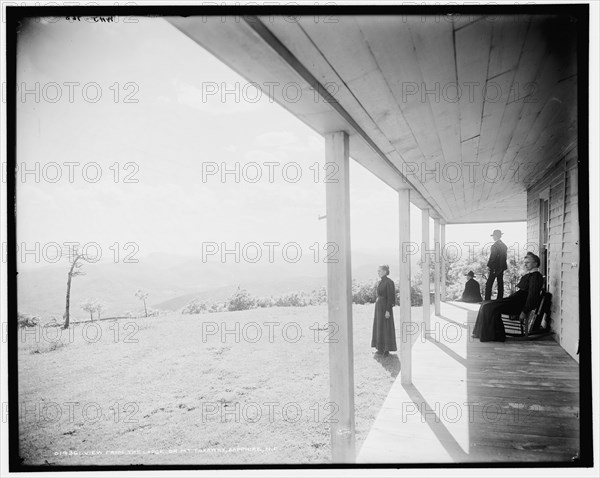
(472, 292)
(489, 326)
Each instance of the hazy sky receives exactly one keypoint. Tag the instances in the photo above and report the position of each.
(130, 101)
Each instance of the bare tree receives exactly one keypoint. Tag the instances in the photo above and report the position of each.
(99, 308)
(90, 306)
(77, 260)
(140, 294)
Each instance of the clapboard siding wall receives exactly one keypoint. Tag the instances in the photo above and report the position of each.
(560, 188)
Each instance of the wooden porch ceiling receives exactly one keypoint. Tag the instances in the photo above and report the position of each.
(466, 112)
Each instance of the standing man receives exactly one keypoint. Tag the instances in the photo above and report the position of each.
(496, 265)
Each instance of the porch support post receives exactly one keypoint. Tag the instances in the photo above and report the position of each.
(443, 262)
(425, 267)
(339, 301)
(406, 327)
(436, 265)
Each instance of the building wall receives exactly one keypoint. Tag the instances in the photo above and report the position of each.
(560, 185)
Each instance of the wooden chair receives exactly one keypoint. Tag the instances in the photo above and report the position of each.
(533, 326)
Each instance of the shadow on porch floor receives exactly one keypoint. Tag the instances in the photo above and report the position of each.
(516, 401)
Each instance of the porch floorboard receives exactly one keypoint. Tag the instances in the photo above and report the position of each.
(516, 401)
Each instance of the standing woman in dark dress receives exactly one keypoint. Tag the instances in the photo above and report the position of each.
(489, 326)
(384, 332)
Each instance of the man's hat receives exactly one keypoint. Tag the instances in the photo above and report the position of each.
(470, 274)
(496, 231)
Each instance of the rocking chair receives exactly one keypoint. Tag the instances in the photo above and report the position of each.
(535, 325)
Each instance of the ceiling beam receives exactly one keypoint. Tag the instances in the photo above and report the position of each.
(260, 28)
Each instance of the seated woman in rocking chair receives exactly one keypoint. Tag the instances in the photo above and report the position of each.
(489, 326)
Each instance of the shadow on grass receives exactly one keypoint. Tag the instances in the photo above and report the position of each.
(391, 363)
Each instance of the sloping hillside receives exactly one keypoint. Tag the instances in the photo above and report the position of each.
(226, 388)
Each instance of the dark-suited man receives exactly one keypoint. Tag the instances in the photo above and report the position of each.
(496, 265)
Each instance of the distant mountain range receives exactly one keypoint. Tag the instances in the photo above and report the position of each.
(172, 282)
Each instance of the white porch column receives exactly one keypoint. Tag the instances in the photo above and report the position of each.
(436, 265)
(425, 267)
(339, 301)
(443, 262)
(405, 322)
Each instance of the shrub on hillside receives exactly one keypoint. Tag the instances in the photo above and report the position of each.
(264, 302)
(217, 307)
(241, 300)
(25, 320)
(196, 306)
(292, 299)
(364, 292)
(416, 296)
(318, 296)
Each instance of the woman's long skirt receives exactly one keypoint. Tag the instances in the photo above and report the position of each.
(489, 326)
(384, 331)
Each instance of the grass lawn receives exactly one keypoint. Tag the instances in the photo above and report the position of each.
(235, 387)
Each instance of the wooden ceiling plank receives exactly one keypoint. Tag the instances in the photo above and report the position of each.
(367, 85)
(384, 110)
(497, 95)
(469, 157)
(461, 20)
(472, 45)
(294, 38)
(549, 83)
(390, 42)
(493, 202)
(508, 35)
(551, 145)
(527, 80)
(537, 119)
(437, 40)
(306, 51)
(552, 116)
(472, 55)
(510, 209)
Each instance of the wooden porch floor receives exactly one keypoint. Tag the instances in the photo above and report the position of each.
(516, 401)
